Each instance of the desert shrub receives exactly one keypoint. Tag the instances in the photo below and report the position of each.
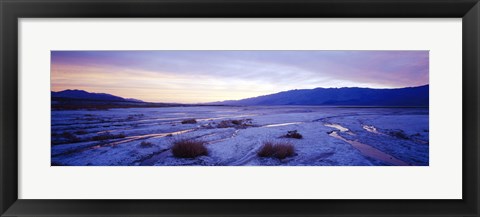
(266, 150)
(224, 124)
(280, 150)
(235, 123)
(146, 144)
(189, 148)
(189, 121)
(106, 136)
(293, 134)
(283, 150)
(399, 134)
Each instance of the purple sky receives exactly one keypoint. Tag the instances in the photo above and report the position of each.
(205, 76)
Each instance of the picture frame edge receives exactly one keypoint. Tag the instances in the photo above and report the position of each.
(10, 205)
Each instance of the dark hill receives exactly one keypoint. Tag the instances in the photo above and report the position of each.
(347, 96)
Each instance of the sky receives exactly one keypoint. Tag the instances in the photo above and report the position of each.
(209, 76)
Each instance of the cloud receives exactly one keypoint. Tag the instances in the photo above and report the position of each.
(222, 75)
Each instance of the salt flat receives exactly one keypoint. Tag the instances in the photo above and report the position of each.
(332, 136)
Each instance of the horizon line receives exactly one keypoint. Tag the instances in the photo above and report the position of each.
(242, 98)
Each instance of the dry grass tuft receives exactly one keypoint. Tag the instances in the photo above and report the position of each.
(266, 150)
(238, 124)
(398, 134)
(107, 136)
(280, 150)
(224, 124)
(189, 148)
(189, 121)
(293, 134)
(284, 150)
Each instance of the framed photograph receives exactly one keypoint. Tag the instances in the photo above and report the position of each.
(251, 108)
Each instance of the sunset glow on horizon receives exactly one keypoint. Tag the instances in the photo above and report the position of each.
(209, 76)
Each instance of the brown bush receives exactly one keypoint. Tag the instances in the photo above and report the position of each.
(106, 136)
(399, 134)
(189, 148)
(189, 121)
(239, 124)
(283, 150)
(266, 150)
(280, 150)
(224, 124)
(293, 134)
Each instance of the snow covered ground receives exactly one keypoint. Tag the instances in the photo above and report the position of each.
(331, 136)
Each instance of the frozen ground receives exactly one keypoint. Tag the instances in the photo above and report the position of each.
(331, 136)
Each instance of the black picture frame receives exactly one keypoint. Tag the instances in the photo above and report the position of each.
(12, 10)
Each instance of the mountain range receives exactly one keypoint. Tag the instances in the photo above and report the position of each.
(346, 96)
(84, 95)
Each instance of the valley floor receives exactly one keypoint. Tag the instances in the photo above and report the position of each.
(331, 136)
